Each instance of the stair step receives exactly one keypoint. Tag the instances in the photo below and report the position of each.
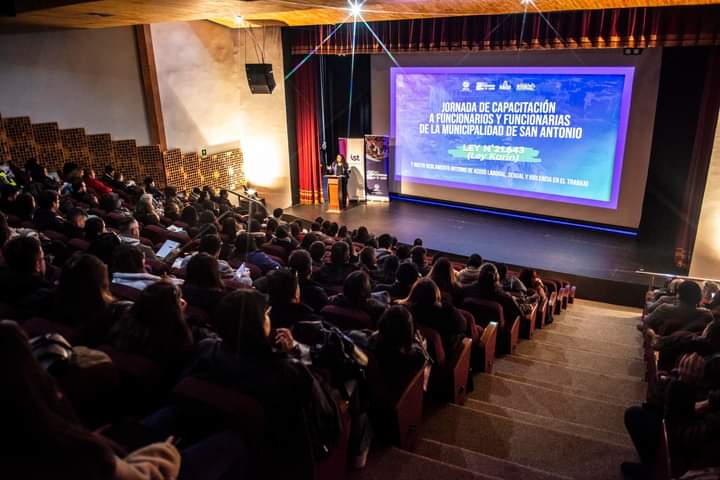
(592, 305)
(555, 424)
(626, 337)
(526, 444)
(622, 387)
(549, 403)
(480, 463)
(395, 464)
(588, 344)
(579, 358)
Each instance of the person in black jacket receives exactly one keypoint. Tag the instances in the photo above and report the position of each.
(357, 295)
(488, 287)
(428, 308)
(407, 275)
(311, 293)
(335, 272)
(285, 299)
(24, 272)
(47, 215)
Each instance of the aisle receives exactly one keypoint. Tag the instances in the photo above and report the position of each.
(552, 410)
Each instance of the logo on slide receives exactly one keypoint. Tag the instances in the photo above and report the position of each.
(505, 85)
(466, 86)
(525, 87)
(484, 87)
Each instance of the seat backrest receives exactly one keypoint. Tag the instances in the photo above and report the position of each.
(124, 292)
(142, 371)
(275, 251)
(485, 311)
(347, 318)
(55, 236)
(154, 233)
(37, 326)
(78, 244)
(435, 346)
(237, 408)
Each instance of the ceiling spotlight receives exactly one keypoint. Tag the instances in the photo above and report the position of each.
(239, 19)
(526, 3)
(355, 8)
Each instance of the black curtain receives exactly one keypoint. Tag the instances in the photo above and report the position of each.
(682, 81)
(335, 72)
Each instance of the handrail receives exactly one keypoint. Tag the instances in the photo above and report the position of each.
(652, 276)
(249, 199)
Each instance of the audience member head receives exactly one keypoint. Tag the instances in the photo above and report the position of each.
(89, 173)
(230, 227)
(189, 216)
(418, 242)
(342, 232)
(367, 258)
(128, 259)
(295, 230)
(407, 274)
(357, 287)
(104, 246)
(24, 255)
(396, 331)
(244, 244)
(402, 251)
(317, 251)
(371, 242)
(339, 253)
(210, 244)
(129, 227)
(110, 202)
(4, 229)
(109, 170)
(203, 271)
(301, 262)
(502, 270)
(417, 255)
(49, 200)
(70, 170)
(475, 261)
(443, 274)
(94, 226)
(527, 277)
(84, 288)
(78, 185)
(390, 267)
(77, 217)
(9, 192)
(206, 217)
(326, 227)
(254, 225)
(119, 177)
(709, 291)
(277, 213)
(363, 235)
(145, 203)
(281, 232)
(488, 279)
(25, 206)
(385, 241)
(149, 183)
(160, 308)
(424, 294)
(315, 227)
(689, 293)
(271, 225)
(170, 193)
(242, 322)
(283, 286)
(319, 220)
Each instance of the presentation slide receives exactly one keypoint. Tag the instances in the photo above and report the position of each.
(552, 133)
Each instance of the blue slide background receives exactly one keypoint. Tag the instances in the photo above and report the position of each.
(595, 102)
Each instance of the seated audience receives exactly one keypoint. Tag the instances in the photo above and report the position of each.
(407, 275)
(357, 295)
(145, 211)
(246, 250)
(470, 273)
(685, 315)
(534, 284)
(24, 272)
(155, 326)
(203, 287)
(94, 184)
(130, 235)
(487, 287)
(283, 239)
(25, 207)
(428, 308)
(384, 247)
(94, 227)
(335, 272)
(128, 268)
(77, 219)
(444, 276)
(83, 299)
(317, 253)
(418, 256)
(47, 216)
(8, 198)
(311, 293)
(151, 188)
(44, 439)
(389, 270)
(285, 300)
(369, 264)
(211, 244)
(510, 283)
(104, 246)
(79, 193)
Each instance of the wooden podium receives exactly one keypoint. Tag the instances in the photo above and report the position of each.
(334, 183)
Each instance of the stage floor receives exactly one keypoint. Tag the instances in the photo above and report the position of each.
(543, 246)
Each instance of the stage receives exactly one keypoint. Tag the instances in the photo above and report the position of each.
(601, 264)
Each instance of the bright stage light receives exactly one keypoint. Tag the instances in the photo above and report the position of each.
(355, 9)
(239, 19)
(526, 3)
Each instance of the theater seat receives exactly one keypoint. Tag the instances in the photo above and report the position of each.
(449, 375)
(347, 318)
(154, 233)
(124, 292)
(486, 311)
(37, 326)
(275, 251)
(78, 244)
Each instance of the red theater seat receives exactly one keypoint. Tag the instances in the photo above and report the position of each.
(347, 318)
(449, 375)
(485, 312)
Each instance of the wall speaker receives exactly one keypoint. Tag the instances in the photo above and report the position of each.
(260, 77)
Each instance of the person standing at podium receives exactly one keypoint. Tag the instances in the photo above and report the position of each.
(340, 168)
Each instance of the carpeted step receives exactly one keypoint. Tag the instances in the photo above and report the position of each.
(396, 464)
(555, 424)
(621, 324)
(526, 444)
(627, 337)
(580, 358)
(477, 462)
(593, 306)
(588, 344)
(549, 403)
(622, 387)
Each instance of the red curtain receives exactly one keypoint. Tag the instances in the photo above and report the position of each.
(699, 162)
(609, 28)
(304, 82)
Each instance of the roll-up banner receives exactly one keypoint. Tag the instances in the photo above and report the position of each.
(376, 167)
